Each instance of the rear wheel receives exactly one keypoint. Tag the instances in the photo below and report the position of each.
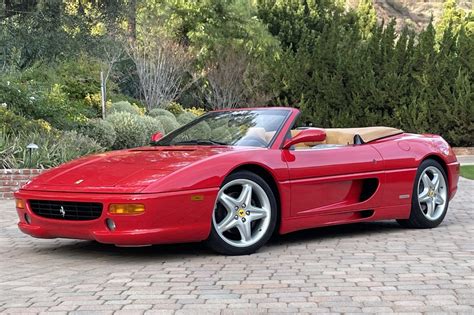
(430, 197)
(244, 215)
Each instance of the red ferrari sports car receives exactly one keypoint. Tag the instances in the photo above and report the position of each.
(234, 177)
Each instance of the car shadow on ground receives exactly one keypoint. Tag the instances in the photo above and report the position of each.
(178, 252)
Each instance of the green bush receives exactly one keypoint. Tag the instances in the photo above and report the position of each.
(12, 123)
(151, 125)
(101, 131)
(169, 124)
(157, 112)
(124, 106)
(175, 108)
(53, 148)
(221, 134)
(13, 98)
(76, 80)
(200, 131)
(130, 130)
(185, 118)
(50, 105)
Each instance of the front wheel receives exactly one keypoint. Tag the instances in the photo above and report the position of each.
(244, 215)
(430, 197)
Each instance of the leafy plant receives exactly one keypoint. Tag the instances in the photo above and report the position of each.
(101, 131)
(12, 123)
(125, 106)
(169, 124)
(151, 125)
(157, 112)
(198, 111)
(175, 108)
(185, 118)
(53, 148)
(130, 130)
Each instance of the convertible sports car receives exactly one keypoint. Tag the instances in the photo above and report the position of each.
(232, 178)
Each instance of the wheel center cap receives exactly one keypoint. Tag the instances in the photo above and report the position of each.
(241, 212)
(431, 193)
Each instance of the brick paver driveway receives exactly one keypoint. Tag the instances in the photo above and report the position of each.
(373, 267)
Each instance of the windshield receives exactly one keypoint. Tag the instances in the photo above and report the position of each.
(255, 128)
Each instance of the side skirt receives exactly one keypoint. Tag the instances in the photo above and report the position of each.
(307, 222)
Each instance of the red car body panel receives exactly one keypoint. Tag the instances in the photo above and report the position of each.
(178, 186)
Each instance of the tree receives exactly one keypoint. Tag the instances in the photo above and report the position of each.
(224, 85)
(162, 66)
(452, 15)
(367, 17)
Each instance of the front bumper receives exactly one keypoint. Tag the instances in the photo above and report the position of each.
(168, 218)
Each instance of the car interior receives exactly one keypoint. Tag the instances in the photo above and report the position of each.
(335, 137)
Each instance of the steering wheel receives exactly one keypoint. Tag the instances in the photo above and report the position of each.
(252, 141)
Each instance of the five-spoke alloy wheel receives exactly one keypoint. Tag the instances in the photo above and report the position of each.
(244, 215)
(430, 196)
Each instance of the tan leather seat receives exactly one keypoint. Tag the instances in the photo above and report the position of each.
(269, 135)
(345, 136)
(258, 132)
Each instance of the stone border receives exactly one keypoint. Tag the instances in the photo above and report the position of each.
(12, 179)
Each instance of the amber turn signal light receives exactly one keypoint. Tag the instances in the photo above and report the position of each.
(20, 203)
(126, 208)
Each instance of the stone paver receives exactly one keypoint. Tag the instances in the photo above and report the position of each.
(371, 268)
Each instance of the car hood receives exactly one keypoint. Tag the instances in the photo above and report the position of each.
(125, 171)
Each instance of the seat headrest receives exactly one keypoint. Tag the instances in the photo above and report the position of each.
(257, 132)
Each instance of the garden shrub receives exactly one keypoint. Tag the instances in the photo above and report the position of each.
(124, 106)
(50, 105)
(13, 99)
(151, 125)
(12, 123)
(76, 79)
(72, 145)
(201, 131)
(101, 131)
(130, 130)
(81, 76)
(157, 112)
(198, 111)
(169, 124)
(114, 98)
(221, 134)
(185, 118)
(9, 149)
(53, 148)
(175, 108)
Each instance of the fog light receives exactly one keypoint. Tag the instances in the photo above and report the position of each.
(20, 203)
(126, 208)
(27, 218)
(110, 224)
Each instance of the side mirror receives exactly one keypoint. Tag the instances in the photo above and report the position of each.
(156, 136)
(306, 135)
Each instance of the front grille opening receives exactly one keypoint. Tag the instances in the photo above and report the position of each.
(66, 210)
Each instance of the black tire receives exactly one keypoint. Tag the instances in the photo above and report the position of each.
(417, 218)
(216, 243)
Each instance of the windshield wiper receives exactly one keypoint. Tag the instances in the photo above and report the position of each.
(201, 142)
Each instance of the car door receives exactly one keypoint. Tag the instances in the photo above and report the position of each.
(334, 180)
